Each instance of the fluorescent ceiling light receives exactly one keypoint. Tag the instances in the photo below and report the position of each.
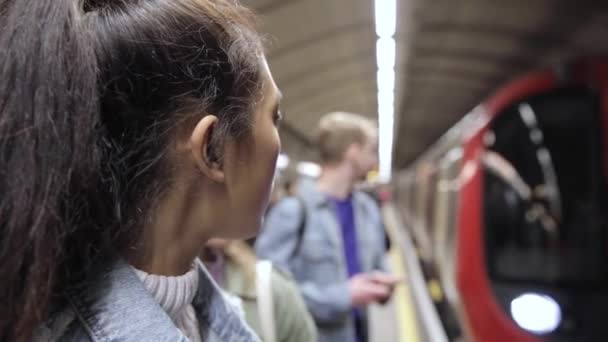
(385, 130)
(386, 98)
(386, 80)
(386, 161)
(386, 114)
(386, 17)
(282, 161)
(386, 25)
(309, 169)
(385, 53)
(386, 118)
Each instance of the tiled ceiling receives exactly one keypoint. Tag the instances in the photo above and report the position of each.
(451, 54)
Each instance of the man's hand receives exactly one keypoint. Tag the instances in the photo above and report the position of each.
(368, 288)
(387, 280)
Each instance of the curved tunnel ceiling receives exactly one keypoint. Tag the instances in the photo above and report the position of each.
(450, 56)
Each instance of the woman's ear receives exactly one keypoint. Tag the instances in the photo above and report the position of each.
(205, 155)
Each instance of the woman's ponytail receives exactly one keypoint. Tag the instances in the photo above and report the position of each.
(48, 150)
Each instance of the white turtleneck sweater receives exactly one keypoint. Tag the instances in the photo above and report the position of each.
(175, 295)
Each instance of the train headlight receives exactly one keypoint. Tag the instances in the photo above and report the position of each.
(536, 313)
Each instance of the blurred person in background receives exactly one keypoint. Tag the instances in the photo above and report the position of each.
(271, 302)
(290, 180)
(285, 185)
(278, 193)
(330, 236)
(132, 132)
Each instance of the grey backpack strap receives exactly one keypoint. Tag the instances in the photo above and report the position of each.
(301, 226)
(265, 300)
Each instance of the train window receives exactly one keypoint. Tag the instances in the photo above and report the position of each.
(545, 204)
(545, 191)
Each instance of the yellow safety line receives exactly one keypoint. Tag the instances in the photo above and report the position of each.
(404, 306)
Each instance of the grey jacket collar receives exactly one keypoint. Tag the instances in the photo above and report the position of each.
(314, 197)
(318, 199)
(117, 307)
(216, 315)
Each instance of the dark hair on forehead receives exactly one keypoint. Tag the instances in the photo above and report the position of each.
(91, 94)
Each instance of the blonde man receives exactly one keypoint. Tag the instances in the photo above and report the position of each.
(330, 236)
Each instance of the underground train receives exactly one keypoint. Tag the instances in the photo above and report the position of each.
(508, 211)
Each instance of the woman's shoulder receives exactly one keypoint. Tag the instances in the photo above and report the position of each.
(114, 303)
(62, 325)
(118, 306)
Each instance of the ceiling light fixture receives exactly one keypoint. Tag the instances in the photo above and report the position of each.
(386, 25)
